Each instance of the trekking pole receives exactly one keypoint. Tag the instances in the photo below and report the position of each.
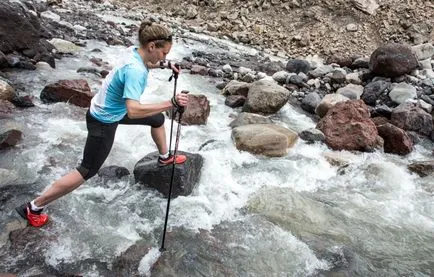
(179, 111)
(174, 76)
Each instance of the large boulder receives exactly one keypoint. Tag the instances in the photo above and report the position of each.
(76, 92)
(186, 175)
(411, 117)
(392, 60)
(396, 140)
(264, 139)
(347, 126)
(266, 97)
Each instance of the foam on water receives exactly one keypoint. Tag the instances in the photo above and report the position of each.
(148, 261)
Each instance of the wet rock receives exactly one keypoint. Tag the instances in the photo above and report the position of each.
(249, 118)
(392, 60)
(396, 140)
(76, 92)
(422, 168)
(186, 175)
(113, 172)
(312, 135)
(23, 101)
(410, 117)
(265, 97)
(9, 137)
(347, 126)
(128, 262)
(264, 139)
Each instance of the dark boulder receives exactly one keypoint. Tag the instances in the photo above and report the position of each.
(186, 175)
(20, 29)
(392, 60)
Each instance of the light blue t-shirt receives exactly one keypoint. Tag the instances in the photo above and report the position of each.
(126, 81)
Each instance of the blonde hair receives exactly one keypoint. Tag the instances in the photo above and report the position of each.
(152, 32)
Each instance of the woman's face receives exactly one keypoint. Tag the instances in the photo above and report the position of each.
(158, 54)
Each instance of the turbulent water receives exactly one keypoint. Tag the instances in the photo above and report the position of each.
(248, 215)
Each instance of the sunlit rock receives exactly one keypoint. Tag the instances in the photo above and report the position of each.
(264, 139)
(7, 92)
(249, 118)
(266, 97)
(328, 102)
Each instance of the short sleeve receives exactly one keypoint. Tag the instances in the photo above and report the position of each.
(135, 82)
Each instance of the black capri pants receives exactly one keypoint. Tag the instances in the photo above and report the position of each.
(100, 139)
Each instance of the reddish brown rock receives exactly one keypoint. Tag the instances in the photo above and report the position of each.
(396, 140)
(197, 110)
(76, 92)
(347, 126)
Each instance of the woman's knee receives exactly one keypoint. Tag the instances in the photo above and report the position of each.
(158, 120)
(87, 173)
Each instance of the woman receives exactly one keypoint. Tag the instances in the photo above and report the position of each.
(117, 102)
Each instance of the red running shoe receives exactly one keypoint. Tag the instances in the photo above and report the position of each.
(36, 219)
(178, 160)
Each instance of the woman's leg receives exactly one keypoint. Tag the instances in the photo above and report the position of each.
(59, 188)
(159, 136)
(99, 142)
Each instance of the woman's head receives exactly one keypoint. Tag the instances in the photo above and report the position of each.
(152, 32)
(155, 39)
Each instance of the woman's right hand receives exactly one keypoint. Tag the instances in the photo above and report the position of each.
(181, 99)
